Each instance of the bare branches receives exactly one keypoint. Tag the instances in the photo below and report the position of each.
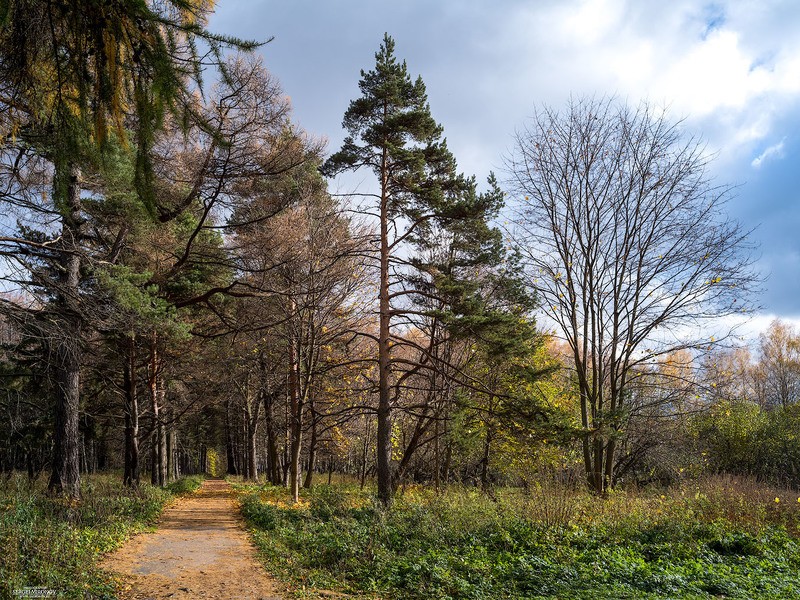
(625, 241)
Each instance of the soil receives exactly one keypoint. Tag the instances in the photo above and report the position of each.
(199, 550)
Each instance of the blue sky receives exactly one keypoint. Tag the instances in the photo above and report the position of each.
(731, 69)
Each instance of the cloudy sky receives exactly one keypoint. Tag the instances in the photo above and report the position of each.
(730, 68)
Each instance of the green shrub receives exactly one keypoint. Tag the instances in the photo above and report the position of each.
(185, 485)
(261, 514)
(327, 501)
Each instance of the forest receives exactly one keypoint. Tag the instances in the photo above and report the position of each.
(526, 383)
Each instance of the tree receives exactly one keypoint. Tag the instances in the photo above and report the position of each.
(779, 365)
(391, 131)
(67, 70)
(625, 240)
(304, 260)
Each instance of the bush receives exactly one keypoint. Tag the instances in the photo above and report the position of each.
(260, 514)
(327, 501)
(185, 485)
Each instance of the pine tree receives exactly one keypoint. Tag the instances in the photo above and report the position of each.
(391, 131)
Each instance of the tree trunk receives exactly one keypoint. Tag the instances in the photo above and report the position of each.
(608, 476)
(597, 474)
(175, 469)
(153, 454)
(296, 402)
(169, 458)
(448, 459)
(131, 475)
(287, 436)
(365, 448)
(487, 446)
(252, 470)
(158, 467)
(437, 471)
(252, 412)
(65, 476)
(273, 466)
(421, 427)
(312, 451)
(384, 432)
(229, 446)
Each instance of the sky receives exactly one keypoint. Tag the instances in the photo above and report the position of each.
(729, 69)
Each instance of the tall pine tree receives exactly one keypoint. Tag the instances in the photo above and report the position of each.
(391, 131)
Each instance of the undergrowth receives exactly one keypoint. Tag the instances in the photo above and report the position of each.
(52, 543)
(717, 538)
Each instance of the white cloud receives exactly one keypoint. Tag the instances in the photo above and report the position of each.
(774, 151)
(748, 328)
(713, 74)
(732, 70)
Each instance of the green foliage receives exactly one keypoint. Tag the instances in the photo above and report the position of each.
(78, 68)
(185, 485)
(55, 543)
(391, 131)
(699, 542)
(130, 292)
(741, 438)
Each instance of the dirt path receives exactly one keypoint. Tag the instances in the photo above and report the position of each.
(199, 550)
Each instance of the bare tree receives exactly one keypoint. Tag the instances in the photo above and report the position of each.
(626, 242)
(779, 365)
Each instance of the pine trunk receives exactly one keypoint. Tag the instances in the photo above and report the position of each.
(384, 430)
(158, 450)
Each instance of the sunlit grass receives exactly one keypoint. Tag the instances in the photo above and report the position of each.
(714, 537)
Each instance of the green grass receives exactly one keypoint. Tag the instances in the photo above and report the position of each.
(720, 538)
(49, 542)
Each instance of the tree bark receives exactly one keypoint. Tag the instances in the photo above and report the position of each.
(131, 472)
(229, 445)
(365, 448)
(414, 442)
(296, 407)
(312, 450)
(158, 466)
(273, 466)
(65, 476)
(252, 414)
(437, 467)
(384, 415)
(169, 459)
(487, 446)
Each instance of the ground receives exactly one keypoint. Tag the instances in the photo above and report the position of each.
(199, 550)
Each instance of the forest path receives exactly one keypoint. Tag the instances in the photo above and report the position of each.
(200, 550)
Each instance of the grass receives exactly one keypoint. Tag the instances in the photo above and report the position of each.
(714, 538)
(49, 542)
